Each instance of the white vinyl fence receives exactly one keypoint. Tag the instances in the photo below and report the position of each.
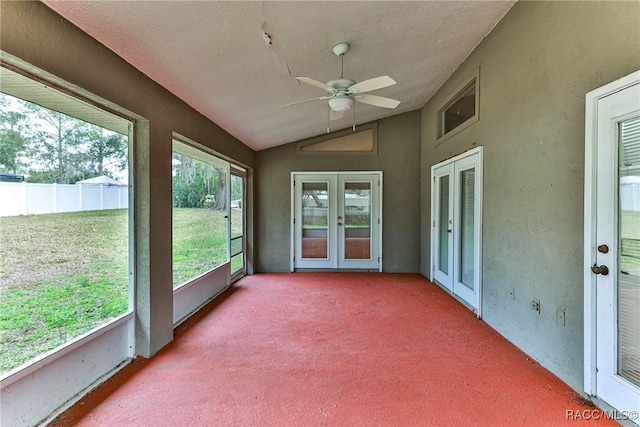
(22, 198)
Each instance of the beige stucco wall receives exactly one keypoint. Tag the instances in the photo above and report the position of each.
(535, 68)
(35, 34)
(398, 157)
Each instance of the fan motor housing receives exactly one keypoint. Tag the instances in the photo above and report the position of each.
(340, 84)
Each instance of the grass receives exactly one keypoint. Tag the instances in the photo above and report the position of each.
(61, 275)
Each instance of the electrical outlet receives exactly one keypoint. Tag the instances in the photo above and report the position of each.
(535, 305)
(560, 317)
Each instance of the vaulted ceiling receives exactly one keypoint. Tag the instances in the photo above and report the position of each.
(236, 62)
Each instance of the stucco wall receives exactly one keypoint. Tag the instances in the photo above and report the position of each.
(398, 157)
(35, 34)
(535, 69)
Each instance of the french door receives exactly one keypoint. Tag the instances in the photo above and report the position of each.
(336, 220)
(456, 225)
(612, 244)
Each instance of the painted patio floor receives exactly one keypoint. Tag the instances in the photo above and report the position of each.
(341, 349)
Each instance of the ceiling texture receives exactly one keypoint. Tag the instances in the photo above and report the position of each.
(236, 62)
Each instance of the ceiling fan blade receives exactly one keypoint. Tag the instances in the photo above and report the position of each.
(305, 100)
(315, 83)
(336, 115)
(378, 101)
(372, 84)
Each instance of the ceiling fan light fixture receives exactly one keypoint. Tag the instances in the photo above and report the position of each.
(341, 103)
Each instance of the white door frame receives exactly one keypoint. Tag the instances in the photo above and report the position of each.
(437, 172)
(478, 152)
(336, 174)
(590, 243)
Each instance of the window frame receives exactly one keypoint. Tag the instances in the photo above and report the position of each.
(39, 374)
(456, 95)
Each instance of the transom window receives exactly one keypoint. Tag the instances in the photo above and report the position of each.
(460, 111)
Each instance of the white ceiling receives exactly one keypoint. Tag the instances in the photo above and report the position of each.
(213, 54)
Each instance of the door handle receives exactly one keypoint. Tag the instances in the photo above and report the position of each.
(339, 224)
(602, 269)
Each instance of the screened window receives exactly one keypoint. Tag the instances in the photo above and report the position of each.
(200, 183)
(65, 219)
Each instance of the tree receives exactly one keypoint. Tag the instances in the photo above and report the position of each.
(53, 147)
(12, 142)
(13, 138)
(106, 146)
(221, 190)
(198, 184)
(56, 144)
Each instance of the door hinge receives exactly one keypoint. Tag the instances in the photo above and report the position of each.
(379, 259)
(378, 221)
(294, 220)
(434, 223)
(378, 183)
(294, 259)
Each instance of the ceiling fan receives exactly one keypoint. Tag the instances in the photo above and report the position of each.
(342, 92)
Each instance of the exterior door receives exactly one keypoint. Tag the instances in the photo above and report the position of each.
(443, 226)
(613, 237)
(336, 221)
(315, 221)
(237, 224)
(358, 221)
(456, 226)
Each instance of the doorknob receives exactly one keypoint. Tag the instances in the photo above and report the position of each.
(603, 269)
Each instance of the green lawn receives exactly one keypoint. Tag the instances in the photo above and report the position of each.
(63, 274)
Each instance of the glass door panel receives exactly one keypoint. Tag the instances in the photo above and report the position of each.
(444, 224)
(629, 253)
(467, 227)
(357, 220)
(315, 220)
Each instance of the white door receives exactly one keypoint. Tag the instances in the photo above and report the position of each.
(315, 221)
(456, 235)
(613, 254)
(358, 221)
(337, 220)
(443, 225)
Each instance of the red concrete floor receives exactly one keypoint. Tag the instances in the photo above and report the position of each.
(343, 349)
